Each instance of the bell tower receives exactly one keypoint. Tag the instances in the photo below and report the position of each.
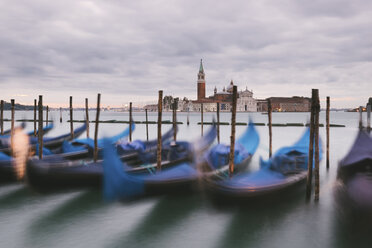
(201, 82)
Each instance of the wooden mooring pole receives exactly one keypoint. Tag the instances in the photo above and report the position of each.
(12, 124)
(160, 109)
(316, 145)
(147, 126)
(360, 117)
(269, 114)
(40, 128)
(232, 137)
(60, 114)
(174, 121)
(327, 123)
(311, 147)
(218, 122)
(202, 118)
(87, 116)
(368, 117)
(130, 122)
(47, 113)
(95, 154)
(35, 110)
(71, 119)
(188, 113)
(2, 117)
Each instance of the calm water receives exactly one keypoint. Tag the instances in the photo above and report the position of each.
(82, 219)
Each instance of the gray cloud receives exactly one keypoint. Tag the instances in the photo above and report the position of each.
(127, 50)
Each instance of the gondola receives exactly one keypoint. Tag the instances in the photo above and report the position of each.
(59, 172)
(46, 130)
(80, 148)
(8, 131)
(48, 142)
(4, 139)
(119, 184)
(7, 171)
(285, 170)
(218, 156)
(355, 175)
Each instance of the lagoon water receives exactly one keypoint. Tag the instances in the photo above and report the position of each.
(82, 219)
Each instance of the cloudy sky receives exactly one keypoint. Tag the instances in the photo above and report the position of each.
(128, 50)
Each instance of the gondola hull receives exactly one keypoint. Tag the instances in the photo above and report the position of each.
(355, 175)
(252, 193)
(48, 174)
(7, 173)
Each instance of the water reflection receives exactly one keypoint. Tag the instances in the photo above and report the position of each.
(66, 213)
(351, 224)
(167, 213)
(15, 197)
(254, 218)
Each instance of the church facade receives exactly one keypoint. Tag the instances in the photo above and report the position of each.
(245, 101)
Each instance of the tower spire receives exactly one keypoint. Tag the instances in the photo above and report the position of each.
(201, 82)
(201, 69)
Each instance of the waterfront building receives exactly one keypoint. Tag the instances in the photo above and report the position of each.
(285, 104)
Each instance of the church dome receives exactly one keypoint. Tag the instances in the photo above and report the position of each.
(230, 87)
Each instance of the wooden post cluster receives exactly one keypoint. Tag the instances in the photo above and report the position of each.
(86, 116)
(174, 121)
(269, 114)
(71, 119)
(314, 138)
(2, 117)
(368, 117)
(130, 122)
(218, 122)
(360, 117)
(147, 126)
(95, 154)
(160, 108)
(232, 137)
(35, 110)
(202, 118)
(40, 128)
(12, 124)
(327, 123)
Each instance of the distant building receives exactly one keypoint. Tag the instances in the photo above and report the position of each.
(285, 104)
(151, 107)
(245, 101)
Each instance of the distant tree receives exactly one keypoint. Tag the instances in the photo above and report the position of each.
(167, 102)
(175, 102)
